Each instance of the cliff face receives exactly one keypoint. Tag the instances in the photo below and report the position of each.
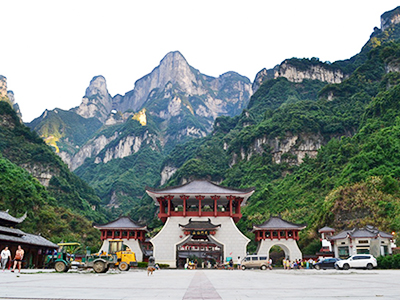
(173, 68)
(297, 70)
(291, 149)
(3, 87)
(228, 94)
(313, 72)
(390, 17)
(97, 102)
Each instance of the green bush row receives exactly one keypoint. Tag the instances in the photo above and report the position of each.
(389, 262)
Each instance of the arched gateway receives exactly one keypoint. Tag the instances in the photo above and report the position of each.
(200, 219)
(278, 232)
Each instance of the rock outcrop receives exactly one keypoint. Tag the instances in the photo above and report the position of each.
(314, 72)
(291, 149)
(297, 70)
(390, 17)
(228, 94)
(3, 87)
(97, 102)
(90, 149)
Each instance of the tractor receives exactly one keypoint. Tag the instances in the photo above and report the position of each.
(66, 258)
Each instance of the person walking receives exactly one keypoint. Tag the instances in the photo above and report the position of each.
(5, 256)
(19, 255)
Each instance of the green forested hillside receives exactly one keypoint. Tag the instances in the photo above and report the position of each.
(58, 124)
(62, 210)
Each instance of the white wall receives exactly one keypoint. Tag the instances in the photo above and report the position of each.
(290, 247)
(164, 243)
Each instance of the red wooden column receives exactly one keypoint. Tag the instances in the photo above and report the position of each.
(184, 198)
(200, 198)
(263, 235)
(160, 200)
(230, 198)
(169, 198)
(238, 203)
(215, 198)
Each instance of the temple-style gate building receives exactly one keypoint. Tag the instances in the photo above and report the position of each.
(199, 219)
(278, 232)
(123, 231)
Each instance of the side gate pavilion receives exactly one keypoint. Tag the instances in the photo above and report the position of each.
(278, 232)
(123, 231)
(199, 219)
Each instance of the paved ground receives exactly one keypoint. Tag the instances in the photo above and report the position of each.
(202, 284)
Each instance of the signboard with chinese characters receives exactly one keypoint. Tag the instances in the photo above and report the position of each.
(199, 232)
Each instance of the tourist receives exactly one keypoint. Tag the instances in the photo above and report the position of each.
(238, 264)
(19, 256)
(284, 263)
(231, 264)
(5, 257)
(270, 263)
(288, 264)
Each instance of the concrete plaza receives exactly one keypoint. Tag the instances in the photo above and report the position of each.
(202, 284)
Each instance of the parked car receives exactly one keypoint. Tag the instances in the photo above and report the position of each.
(255, 261)
(357, 261)
(327, 263)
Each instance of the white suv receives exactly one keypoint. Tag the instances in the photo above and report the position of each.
(357, 261)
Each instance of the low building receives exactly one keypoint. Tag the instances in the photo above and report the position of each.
(35, 246)
(199, 219)
(278, 232)
(124, 231)
(368, 240)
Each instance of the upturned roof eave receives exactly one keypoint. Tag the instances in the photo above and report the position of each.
(134, 227)
(255, 228)
(171, 188)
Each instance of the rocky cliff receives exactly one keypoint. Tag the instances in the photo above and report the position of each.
(228, 94)
(390, 17)
(97, 102)
(297, 70)
(8, 96)
(3, 87)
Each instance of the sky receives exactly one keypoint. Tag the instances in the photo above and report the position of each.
(50, 50)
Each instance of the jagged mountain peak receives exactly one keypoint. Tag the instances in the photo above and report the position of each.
(97, 102)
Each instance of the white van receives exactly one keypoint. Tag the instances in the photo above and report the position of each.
(256, 261)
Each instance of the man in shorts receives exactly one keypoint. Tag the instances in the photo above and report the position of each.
(19, 256)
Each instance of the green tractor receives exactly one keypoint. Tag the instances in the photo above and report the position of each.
(66, 258)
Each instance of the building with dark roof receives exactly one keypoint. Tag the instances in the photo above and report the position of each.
(368, 240)
(35, 246)
(124, 232)
(278, 232)
(199, 219)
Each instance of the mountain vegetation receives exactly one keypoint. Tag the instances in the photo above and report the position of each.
(64, 209)
(321, 152)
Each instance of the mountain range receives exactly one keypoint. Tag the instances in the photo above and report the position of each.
(317, 139)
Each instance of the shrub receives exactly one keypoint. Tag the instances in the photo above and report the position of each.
(389, 262)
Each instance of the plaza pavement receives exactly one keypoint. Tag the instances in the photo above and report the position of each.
(201, 284)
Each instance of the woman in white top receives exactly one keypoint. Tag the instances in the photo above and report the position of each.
(5, 256)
